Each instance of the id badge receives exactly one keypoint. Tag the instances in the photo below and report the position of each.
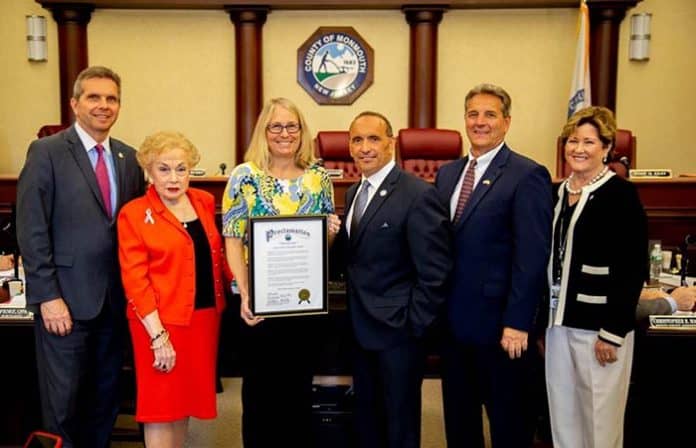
(555, 293)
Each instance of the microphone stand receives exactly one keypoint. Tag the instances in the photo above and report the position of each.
(684, 249)
(15, 253)
(11, 241)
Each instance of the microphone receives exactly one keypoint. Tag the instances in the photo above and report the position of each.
(623, 160)
(223, 167)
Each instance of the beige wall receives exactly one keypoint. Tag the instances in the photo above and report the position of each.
(182, 76)
(385, 31)
(178, 74)
(527, 52)
(29, 91)
(656, 98)
(177, 70)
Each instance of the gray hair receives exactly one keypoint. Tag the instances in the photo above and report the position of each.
(95, 71)
(491, 89)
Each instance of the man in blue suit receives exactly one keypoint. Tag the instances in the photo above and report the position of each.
(68, 195)
(397, 238)
(501, 209)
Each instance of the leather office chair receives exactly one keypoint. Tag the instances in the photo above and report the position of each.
(624, 155)
(333, 148)
(51, 129)
(423, 151)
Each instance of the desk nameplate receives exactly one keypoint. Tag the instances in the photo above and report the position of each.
(674, 321)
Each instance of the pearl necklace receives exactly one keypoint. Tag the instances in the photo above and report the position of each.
(592, 181)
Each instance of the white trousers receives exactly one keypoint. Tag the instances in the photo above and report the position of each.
(586, 401)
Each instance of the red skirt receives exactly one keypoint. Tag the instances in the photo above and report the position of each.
(189, 389)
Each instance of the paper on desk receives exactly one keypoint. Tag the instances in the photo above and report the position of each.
(675, 280)
(17, 297)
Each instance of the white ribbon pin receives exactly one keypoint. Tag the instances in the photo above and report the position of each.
(148, 217)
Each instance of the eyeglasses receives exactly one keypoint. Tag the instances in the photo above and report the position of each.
(277, 128)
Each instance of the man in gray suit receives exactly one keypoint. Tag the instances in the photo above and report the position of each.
(69, 192)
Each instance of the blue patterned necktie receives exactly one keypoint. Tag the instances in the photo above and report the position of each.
(359, 206)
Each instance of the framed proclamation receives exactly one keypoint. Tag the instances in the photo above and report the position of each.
(288, 265)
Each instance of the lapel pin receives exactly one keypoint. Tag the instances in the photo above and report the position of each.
(120, 155)
(383, 193)
(148, 217)
(486, 182)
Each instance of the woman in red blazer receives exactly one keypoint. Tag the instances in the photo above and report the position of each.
(173, 268)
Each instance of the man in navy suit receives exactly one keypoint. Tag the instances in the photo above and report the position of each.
(501, 210)
(69, 192)
(397, 238)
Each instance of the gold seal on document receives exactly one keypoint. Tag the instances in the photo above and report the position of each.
(303, 295)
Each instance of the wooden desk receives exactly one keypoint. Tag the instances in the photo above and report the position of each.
(8, 194)
(20, 412)
(664, 361)
(671, 208)
(669, 203)
(673, 199)
(662, 394)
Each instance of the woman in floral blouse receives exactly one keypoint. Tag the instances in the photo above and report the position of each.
(280, 176)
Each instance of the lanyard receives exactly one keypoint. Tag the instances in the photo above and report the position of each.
(562, 224)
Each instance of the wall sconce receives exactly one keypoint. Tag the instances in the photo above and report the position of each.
(36, 38)
(639, 47)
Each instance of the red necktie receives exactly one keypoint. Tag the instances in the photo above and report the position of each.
(103, 179)
(467, 188)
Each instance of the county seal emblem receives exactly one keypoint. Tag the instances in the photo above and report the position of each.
(335, 65)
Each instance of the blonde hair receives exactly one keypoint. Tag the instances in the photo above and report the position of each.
(601, 118)
(164, 141)
(258, 152)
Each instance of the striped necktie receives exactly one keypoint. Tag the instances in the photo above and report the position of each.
(467, 188)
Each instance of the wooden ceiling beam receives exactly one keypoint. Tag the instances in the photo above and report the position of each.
(317, 4)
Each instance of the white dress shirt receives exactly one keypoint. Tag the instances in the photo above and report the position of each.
(482, 163)
(375, 182)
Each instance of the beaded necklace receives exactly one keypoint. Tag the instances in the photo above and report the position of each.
(592, 181)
